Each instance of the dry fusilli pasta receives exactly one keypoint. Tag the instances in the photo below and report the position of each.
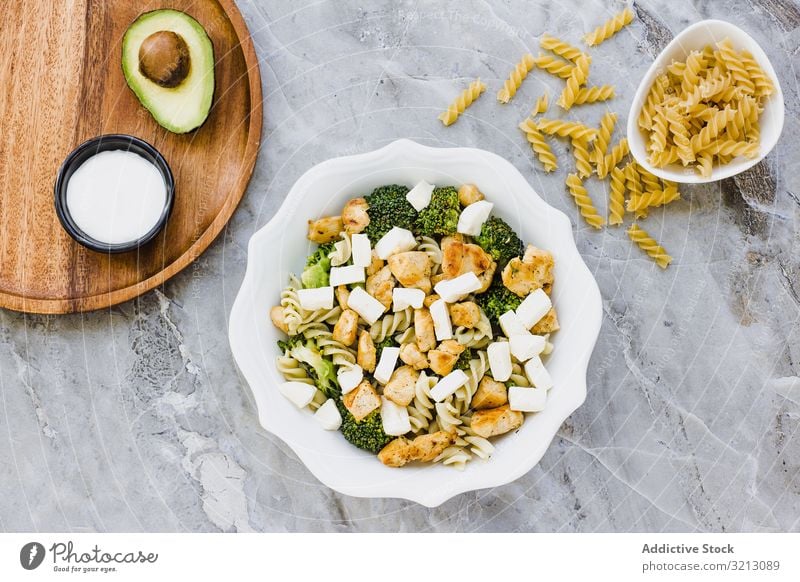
(650, 246)
(464, 100)
(609, 28)
(584, 202)
(515, 78)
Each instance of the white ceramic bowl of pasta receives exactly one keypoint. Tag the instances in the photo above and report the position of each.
(695, 37)
(281, 247)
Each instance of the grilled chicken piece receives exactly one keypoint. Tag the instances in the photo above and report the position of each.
(412, 269)
(410, 354)
(325, 229)
(496, 421)
(278, 317)
(400, 387)
(376, 265)
(424, 331)
(380, 286)
(459, 258)
(547, 324)
(469, 193)
(465, 314)
(361, 401)
(490, 394)
(423, 448)
(445, 357)
(342, 295)
(367, 354)
(346, 327)
(354, 215)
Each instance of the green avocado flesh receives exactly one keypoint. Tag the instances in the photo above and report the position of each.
(183, 107)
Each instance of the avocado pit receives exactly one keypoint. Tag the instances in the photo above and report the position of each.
(164, 58)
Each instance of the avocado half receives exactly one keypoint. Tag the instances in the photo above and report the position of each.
(180, 99)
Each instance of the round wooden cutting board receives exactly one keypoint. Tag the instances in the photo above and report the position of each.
(61, 83)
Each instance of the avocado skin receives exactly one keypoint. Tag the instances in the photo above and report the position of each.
(151, 95)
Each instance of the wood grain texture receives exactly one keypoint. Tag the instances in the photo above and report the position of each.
(61, 83)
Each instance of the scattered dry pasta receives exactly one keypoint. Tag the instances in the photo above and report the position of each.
(584, 202)
(464, 100)
(594, 94)
(515, 79)
(607, 123)
(645, 242)
(580, 72)
(561, 48)
(617, 153)
(609, 28)
(564, 128)
(540, 106)
(616, 199)
(539, 145)
(554, 65)
(580, 149)
(705, 110)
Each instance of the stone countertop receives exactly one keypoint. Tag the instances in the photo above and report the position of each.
(135, 418)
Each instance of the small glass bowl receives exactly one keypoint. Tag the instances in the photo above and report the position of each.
(88, 149)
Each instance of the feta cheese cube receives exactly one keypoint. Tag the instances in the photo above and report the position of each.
(298, 393)
(328, 415)
(442, 326)
(397, 240)
(525, 399)
(533, 308)
(448, 385)
(473, 217)
(385, 367)
(499, 360)
(524, 347)
(365, 305)
(403, 298)
(511, 324)
(347, 275)
(452, 290)
(538, 374)
(394, 417)
(420, 195)
(313, 299)
(362, 250)
(349, 379)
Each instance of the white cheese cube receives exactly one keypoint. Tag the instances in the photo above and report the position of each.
(385, 367)
(394, 417)
(420, 195)
(347, 275)
(298, 393)
(349, 379)
(538, 374)
(362, 251)
(473, 217)
(328, 415)
(533, 308)
(365, 305)
(441, 320)
(452, 290)
(313, 299)
(397, 240)
(403, 298)
(527, 399)
(448, 385)
(499, 360)
(524, 347)
(511, 324)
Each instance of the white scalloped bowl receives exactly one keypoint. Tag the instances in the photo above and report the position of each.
(695, 37)
(281, 247)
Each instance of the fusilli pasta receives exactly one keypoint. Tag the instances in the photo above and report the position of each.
(464, 100)
(515, 78)
(584, 202)
(650, 246)
(609, 28)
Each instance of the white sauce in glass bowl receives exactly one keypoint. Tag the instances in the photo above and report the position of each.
(116, 196)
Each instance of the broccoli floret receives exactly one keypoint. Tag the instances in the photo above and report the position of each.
(319, 368)
(318, 267)
(497, 300)
(388, 207)
(463, 360)
(440, 217)
(367, 434)
(499, 240)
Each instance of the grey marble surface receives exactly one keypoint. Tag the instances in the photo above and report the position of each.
(135, 418)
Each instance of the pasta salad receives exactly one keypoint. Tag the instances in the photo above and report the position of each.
(418, 325)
